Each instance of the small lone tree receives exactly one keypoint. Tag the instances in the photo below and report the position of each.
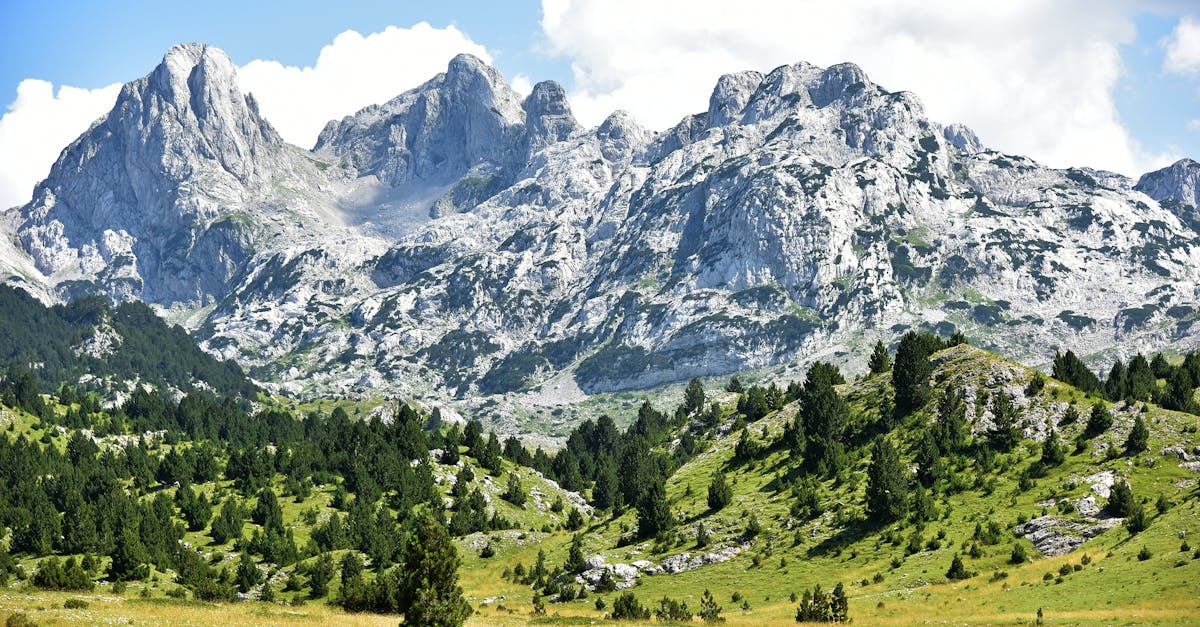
(428, 590)
(1004, 434)
(515, 492)
(575, 563)
(1139, 437)
(957, 571)
(1053, 453)
(710, 612)
(719, 492)
(1099, 420)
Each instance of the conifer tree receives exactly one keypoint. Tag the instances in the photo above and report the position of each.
(1099, 420)
(719, 492)
(1004, 432)
(887, 485)
(910, 373)
(428, 592)
(693, 397)
(1053, 453)
(1139, 437)
(880, 361)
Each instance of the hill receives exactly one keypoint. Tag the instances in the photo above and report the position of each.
(959, 504)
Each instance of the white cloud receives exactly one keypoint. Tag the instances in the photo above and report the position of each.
(352, 72)
(522, 85)
(37, 126)
(1183, 48)
(1031, 77)
(1194, 125)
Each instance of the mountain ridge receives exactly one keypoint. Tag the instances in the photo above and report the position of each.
(459, 239)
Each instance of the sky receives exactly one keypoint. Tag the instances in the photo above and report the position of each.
(1106, 84)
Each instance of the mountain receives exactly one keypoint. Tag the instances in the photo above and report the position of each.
(458, 240)
(89, 344)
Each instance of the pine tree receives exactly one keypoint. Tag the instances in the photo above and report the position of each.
(319, 576)
(1120, 499)
(719, 492)
(248, 574)
(515, 492)
(824, 415)
(1139, 437)
(710, 612)
(693, 397)
(1179, 390)
(428, 590)
(1053, 453)
(910, 373)
(1116, 386)
(654, 513)
(957, 570)
(880, 361)
(1004, 433)
(575, 563)
(1141, 380)
(887, 485)
(1099, 420)
(1068, 368)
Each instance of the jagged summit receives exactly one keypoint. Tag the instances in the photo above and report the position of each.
(463, 239)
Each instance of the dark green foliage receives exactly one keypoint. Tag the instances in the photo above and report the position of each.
(53, 574)
(719, 492)
(575, 563)
(951, 432)
(1136, 520)
(606, 583)
(1139, 437)
(1070, 369)
(627, 607)
(1144, 554)
(734, 385)
(1099, 420)
(319, 576)
(747, 448)
(1004, 433)
(670, 610)
(911, 372)
(150, 350)
(957, 571)
(654, 512)
(880, 361)
(574, 520)
(1018, 555)
(753, 527)
(228, 523)
(887, 484)
(818, 606)
(1053, 453)
(693, 397)
(710, 612)
(823, 414)
(514, 493)
(1140, 382)
(1178, 394)
(249, 576)
(1120, 499)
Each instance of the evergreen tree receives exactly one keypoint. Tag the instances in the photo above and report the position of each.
(951, 433)
(1141, 382)
(515, 492)
(1099, 420)
(1053, 453)
(887, 484)
(1068, 368)
(1004, 432)
(957, 570)
(128, 556)
(693, 397)
(427, 583)
(1178, 394)
(319, 576)
(1116, 386)
(1120, 499)
(719, 492)
(575, 563)
(248, 574)
(1139, 437)
(654, 513)
(824, 415)
(910, 373)
(734, 386)
(880, 361)
(710, 612)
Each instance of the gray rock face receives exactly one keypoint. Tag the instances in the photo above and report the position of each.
(156, 200)
(434, 133)
(1177, 188)
(808, 213)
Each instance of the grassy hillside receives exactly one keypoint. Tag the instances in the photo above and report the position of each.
(815, 528)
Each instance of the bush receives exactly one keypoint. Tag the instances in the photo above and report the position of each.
(672, 610)
(18, 620)
(817, 606)
(1018, 555)
(627, 607)
(957, 571)
(75, 604)
(1144, 554)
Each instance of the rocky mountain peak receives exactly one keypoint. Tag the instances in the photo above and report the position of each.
(548, 117)
(1178, 182)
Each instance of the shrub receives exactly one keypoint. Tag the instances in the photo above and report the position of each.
(1144, 554)
(627, 607)
(75, 604)
(1018, 555)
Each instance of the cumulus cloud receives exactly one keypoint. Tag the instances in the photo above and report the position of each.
(36, 127)
(352, 72)
(1029, 76)
(1183, 48)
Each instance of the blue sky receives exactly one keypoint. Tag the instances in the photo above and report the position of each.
(1113, 85)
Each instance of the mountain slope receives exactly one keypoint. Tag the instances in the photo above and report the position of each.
(457, 241)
